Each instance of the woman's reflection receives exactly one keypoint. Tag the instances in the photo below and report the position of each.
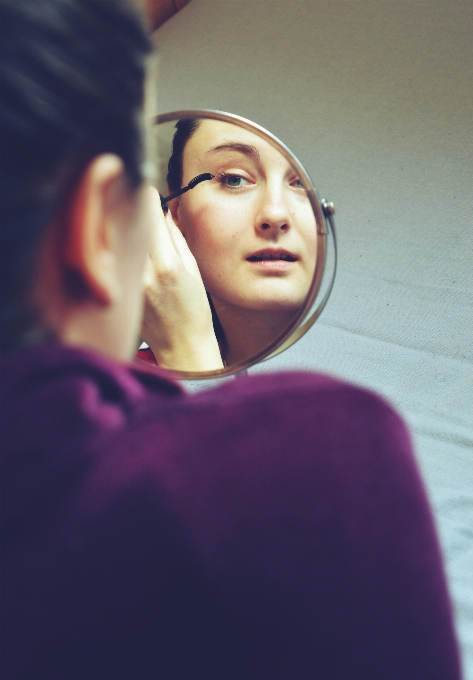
(251, 230)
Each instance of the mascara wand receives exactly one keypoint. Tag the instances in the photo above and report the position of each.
(193, 183)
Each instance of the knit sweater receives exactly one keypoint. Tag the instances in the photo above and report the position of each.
(273, 527)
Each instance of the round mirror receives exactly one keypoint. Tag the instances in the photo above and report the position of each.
(263, 243)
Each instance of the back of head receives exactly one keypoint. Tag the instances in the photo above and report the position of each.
(71, 77)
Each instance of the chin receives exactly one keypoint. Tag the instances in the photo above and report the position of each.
(269, 300)
(277, 300)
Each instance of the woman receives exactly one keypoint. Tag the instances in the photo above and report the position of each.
(251, 230)
(275, 527)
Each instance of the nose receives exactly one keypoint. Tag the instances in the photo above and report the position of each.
(273, 218)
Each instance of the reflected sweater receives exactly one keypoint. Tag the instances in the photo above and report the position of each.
(273, 527)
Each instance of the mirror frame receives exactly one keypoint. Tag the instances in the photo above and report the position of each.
(323, 213)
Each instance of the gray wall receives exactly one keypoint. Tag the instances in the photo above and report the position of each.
(376, 99)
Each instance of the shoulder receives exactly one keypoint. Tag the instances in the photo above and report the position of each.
(297, 405)
(286, 389)
(257, 431)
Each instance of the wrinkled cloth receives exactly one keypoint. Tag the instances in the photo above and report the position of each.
(273, 527)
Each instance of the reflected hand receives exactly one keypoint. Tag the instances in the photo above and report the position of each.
(177, 320)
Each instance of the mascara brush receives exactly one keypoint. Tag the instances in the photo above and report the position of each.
(193, 183)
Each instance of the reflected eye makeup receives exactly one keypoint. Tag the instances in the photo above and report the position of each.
(231, 180)
(193, 183)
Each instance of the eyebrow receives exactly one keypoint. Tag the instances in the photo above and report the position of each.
(246, 149)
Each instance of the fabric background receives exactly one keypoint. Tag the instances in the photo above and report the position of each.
(376, 100)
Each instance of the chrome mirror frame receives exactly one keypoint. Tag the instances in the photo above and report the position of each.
(316, 298)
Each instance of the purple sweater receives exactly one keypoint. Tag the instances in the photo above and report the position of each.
(273, 527)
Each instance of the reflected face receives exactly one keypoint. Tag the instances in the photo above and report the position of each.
(251, 229)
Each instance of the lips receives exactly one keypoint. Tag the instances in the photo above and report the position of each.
(271, 255)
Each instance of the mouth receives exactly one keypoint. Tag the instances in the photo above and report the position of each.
(271, 256)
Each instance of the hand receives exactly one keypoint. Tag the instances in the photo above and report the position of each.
(177, 320)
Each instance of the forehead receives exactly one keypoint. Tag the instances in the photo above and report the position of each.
(216, 139)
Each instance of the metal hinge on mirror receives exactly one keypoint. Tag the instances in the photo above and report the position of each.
(328, 207)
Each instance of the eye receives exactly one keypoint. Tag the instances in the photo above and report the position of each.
(232, 181)
(297, 184)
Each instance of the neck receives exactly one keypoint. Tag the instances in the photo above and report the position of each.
(65, 315)
(248, 331)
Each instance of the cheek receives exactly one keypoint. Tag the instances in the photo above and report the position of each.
(213, 230)
(307, 228)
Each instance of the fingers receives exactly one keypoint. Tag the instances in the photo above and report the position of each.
(162, 246)
(181, 246)
(169, 251)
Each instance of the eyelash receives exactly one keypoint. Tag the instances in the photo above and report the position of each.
(222, 176)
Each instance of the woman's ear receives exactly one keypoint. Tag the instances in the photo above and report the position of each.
(94, 225)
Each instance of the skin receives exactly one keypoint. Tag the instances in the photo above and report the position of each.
(111, 242)
(177, 321)
(259, 205)
(112, 264)
(101, 242)
(105, 241)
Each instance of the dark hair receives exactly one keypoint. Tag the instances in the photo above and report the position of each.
(72, 78)
(185, 128)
